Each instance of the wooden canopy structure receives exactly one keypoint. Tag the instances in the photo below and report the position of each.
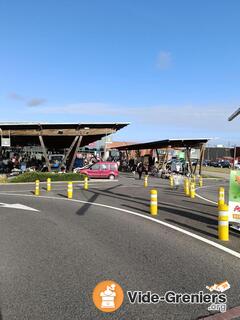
(57, 135)
(167, 144)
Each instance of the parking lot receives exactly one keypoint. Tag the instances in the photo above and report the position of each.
(55, 250)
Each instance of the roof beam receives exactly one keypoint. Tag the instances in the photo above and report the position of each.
(58, 132)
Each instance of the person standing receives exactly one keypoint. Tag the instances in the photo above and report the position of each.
(140, 170)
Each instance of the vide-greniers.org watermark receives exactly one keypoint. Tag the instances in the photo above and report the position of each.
(216, 300)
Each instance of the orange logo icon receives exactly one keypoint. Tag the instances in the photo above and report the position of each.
(108, 296)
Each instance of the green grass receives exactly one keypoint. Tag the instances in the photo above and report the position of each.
(215, 169)
(42, 176)
(210, 177)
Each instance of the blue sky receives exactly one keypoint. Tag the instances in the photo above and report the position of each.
(171, 68)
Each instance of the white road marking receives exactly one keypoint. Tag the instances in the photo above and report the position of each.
(58, 188)
(192, 235)
(197, 195)
(205, 187)
(16, 206)
(57, 182)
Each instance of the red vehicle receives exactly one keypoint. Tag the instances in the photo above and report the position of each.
(107, 170)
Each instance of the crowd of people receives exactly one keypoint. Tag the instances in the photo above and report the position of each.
(8, 162)
(154, 168)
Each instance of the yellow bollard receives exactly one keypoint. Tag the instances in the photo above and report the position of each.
(171, 181)
(200, 182)
(187, 189)
(49, 184)
(223, 228)
(192, 190)
(86, 183)
(37, 188)
(70, 190)
(153, 203)
(221, 200)
(146, 181)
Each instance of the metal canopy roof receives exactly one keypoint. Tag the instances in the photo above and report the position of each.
(36, 125)
(171, 143)
(56, 135)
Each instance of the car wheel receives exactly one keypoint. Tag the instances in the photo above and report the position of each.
(111, 177)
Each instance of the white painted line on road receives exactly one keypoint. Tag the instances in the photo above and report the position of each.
(16, 206)
(168, 225)
(197, 195)
(205, 187)
(57, 182)
(58, 188)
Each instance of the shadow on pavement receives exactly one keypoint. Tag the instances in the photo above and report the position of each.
(143, 201)
(181, 213)
(62, 195)
(202, 204)
(135, 209)
(192, 228)
(178, 191)
(86, 206)
(232, 232)
(190, 215)
(114, 187)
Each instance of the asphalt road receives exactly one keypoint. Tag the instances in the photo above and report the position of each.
(52, 259)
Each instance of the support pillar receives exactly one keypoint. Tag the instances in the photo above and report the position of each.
(69, 151)
(195, 167)
(202, 152)
(165, 160)
(75, 153)
(188, 150)
(45, 153)
(158, 158)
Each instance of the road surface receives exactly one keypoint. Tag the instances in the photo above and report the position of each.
(52, 258)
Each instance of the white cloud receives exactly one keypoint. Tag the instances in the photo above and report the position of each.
(34, 102)
(16, 96)
(164, 60)
(30, 102)
(192, 118)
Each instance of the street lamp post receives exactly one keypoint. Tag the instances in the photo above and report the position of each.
(234, 115)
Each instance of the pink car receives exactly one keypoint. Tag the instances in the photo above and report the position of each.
(107, 170)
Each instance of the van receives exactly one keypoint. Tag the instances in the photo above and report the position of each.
(103, 169)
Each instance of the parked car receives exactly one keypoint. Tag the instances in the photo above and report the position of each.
(206, 163)
(55, 160)
(224, 164)
(237, 166)
(214, 164)
(104, 169)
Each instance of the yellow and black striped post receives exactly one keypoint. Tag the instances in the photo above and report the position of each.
(200, 181)
(85, 183)
(37, 188)
(145, 181)
(153, 202)
(221, 197)
(70, 190)
(49, 184)
(187, 188)
(192, 190)
(171, 181)
(223, 227)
